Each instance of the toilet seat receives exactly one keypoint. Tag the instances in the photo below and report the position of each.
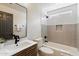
(46, 50)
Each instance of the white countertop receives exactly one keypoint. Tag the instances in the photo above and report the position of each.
(9, 48)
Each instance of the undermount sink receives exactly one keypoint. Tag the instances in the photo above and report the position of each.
(14, 47)
(10, 49)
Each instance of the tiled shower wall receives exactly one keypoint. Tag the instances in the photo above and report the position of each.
(62, 26)
(78, 35)
(66, 36)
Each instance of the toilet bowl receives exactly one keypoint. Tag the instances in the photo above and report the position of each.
(43, 50)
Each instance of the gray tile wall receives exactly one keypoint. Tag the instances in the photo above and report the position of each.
(66, 36)
(78, 36)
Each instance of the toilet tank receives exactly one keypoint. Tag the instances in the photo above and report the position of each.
(39, 42)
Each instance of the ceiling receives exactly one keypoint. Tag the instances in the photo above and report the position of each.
(24, 4)
(43, 5)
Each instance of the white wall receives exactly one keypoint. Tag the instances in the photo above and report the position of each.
(55, 6)
(78, 13)
(19, 17)
(33, 22)
(65, 15)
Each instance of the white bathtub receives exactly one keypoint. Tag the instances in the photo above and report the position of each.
(63, 48)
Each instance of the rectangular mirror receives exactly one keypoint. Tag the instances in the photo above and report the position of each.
(12, 20)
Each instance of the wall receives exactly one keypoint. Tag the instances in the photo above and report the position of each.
(54, 6)
(65, 34)
(43, 27)
(33, 22)
(78, 26)
(47, 8)
(19, 16)
(35, 13)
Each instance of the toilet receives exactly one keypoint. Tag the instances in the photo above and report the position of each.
(43, 50)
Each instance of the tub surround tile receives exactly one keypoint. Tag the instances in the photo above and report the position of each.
(66, 36)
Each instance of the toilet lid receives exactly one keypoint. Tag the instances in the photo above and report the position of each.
(46, 50)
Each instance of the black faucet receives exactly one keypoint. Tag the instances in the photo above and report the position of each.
(17, 38)
(45, 37)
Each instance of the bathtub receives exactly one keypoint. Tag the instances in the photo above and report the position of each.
(64, 50)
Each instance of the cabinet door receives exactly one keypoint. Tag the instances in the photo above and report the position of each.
(31, 51)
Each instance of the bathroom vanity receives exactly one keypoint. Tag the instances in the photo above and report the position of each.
(31, 51)
(25, 48)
